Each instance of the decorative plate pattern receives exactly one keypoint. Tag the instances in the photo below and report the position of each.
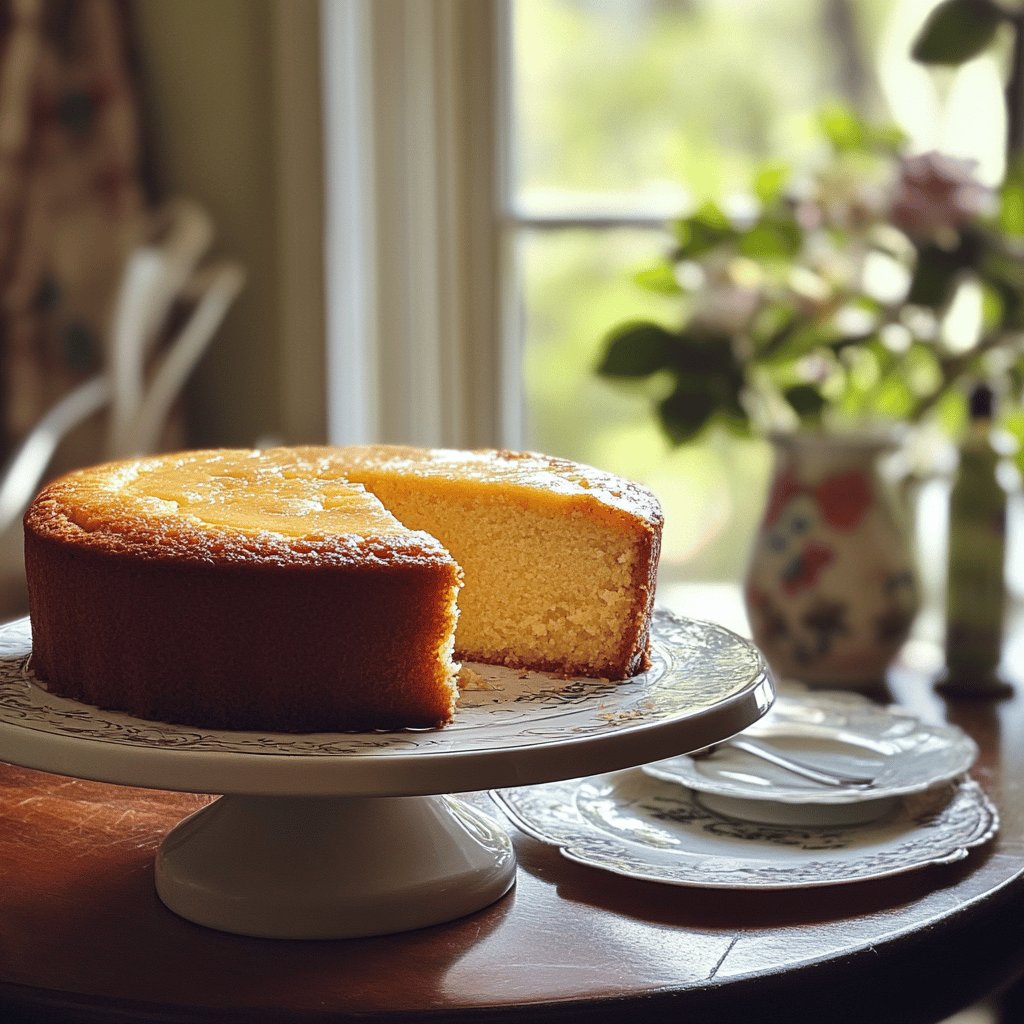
(841, 731)
(634, 825)
(511, 727)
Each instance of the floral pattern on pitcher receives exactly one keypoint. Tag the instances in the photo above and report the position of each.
(831, 591)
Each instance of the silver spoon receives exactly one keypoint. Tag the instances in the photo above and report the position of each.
(824, 776)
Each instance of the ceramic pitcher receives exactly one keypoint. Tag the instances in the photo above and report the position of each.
(831, 590)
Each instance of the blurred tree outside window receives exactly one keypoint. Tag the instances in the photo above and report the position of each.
(627, 111)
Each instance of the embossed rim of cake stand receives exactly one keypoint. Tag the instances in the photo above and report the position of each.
(705, 683)
(281, 855)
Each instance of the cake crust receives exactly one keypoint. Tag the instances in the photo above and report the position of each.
(276, 590)
(172, 618)
(84, 508)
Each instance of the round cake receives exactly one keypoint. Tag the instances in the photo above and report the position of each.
(318, 589)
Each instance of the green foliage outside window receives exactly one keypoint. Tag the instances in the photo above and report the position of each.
(833, 298)
(839, 293)
(637, 104)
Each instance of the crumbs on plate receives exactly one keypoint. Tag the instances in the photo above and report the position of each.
(632, 715)
(471, 680)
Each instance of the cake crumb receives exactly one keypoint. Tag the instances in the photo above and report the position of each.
(617, 717)
(632, 715)
(471, 680)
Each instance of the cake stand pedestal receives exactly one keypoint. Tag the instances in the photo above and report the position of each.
(332, 867)
(339, 835)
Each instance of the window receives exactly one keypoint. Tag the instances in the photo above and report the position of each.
(498, 170)
(626, 110)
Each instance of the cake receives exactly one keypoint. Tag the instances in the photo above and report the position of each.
(559, 558)
(239, 590)
(314, 589)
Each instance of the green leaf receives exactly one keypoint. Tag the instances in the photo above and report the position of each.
(695, 240)
(951, 413)
(847, 132)
(1011, 207)
(637, 350)
(732, 413)
(1004, 270)
(1005, 277)
(711, 215)
(956, 31)
(1015, 379)
(921, 369)
(842, 128)
(702, 231)
(660, 279)
(935, 275)
(773, 326)
(685, 413)
(806, 400)
(993, 306)
(769, 240)
(1013, 423)
(1015, 169)
(893, 397)
(800, 339)
(889, 138)
(770, 182)
(702, 355)
(842, 342)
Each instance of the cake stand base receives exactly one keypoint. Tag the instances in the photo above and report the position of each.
(299, 867)
(340, 835)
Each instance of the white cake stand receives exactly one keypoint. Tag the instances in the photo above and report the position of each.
(337, 835)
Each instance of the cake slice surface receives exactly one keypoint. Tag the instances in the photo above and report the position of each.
(559, 558)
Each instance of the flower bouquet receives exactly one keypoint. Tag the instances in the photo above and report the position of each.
(867, 288)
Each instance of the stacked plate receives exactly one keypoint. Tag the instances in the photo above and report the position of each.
(729, 818)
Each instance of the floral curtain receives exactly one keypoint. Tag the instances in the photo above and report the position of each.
(71, 199)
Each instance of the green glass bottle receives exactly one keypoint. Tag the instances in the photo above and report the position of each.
(976, 585)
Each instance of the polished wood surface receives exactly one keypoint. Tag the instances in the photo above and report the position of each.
(83, 936)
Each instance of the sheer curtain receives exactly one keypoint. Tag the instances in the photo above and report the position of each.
(415, 321)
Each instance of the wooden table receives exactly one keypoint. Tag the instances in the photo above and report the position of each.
(83, 936)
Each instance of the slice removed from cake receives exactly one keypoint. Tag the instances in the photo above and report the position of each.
(559, 558)
(239, 589)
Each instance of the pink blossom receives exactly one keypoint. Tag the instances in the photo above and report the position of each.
(936, 194)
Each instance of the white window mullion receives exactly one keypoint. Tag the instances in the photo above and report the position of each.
(455, 265)
(509, 306)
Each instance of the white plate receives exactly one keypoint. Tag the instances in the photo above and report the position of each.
(634, 825)
(839, 731)
(516, 728)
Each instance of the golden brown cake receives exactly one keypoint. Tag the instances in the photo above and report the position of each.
(239, 590)
(315, 588)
